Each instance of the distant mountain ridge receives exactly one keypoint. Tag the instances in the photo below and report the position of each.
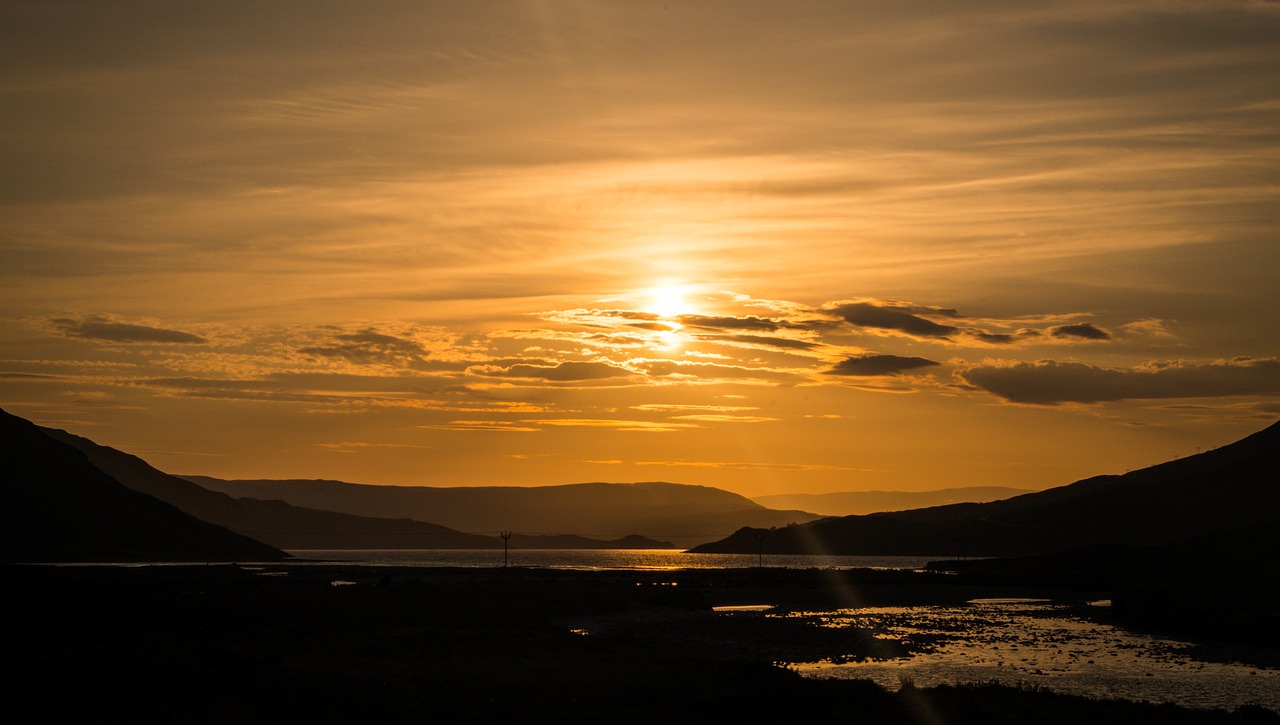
(680, 513)
(59, 507)
(293, 527)
(1233, 487)
(856, 503)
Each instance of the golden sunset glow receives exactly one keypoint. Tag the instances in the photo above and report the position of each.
(770, 247)
(668, 301)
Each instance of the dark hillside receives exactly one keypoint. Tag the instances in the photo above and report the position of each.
(1232, 487)
(60, 508)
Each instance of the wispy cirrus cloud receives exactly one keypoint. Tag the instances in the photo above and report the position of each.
(684, 407)
(724, 418)
(646, 426)
(489, 426)
(368, 346)
(750, 465)
(358, 446)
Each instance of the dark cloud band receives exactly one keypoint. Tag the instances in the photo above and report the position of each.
(867, 365)
(1051, 383)
(99, 329)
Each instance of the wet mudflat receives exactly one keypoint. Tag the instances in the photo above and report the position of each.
(275, 644)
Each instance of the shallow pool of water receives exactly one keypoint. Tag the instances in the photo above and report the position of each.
(1043, 644)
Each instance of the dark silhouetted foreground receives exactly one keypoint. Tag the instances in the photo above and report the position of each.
(326, 644)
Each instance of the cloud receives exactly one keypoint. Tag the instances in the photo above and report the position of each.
(707, 371)
(1084, 331)
(749, 322)
(601, 318)
(1150, 327)
(1003, 338)
(724, 418)
(356, 446)
(568, 371)
(894, 318)
(678, 407)
(630, 425)
(785, 343)
(1049, 382)
(369, 346)
(753, 466)
(878, 365)
(100, 328)
(500, 426)
(32, 376)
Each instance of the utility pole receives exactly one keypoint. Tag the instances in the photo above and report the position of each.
(506, 537)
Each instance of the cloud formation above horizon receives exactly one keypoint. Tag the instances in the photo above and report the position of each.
(417, 228)
(97, 327)
(1049, 382)
(878, 365)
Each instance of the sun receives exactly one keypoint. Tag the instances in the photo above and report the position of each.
(668, 301)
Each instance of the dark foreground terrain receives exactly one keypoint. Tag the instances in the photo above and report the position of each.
(285, 643)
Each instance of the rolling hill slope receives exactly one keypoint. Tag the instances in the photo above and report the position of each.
(61, 508)
(275, 522)
(683, 514)
(1233, 487)
(297, 527)
(857, 503)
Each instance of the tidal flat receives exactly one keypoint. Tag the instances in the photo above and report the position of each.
(277, 643)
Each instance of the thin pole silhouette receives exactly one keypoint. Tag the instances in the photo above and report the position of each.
(759, 549)
(506, 537)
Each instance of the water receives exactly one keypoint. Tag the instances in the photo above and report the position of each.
(600, 559)
(1043, 644)
(1021, 642)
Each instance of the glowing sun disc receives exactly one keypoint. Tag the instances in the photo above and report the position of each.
(668, 301)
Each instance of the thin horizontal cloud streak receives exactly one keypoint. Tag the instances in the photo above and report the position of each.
(482, 426)
(784, 343)
(681, 407)
(100, 328)
(369, 346)
(623, 425)
(748, 322)
(746, 465)
(1083, 331)
(568, 371)
(895, 319)
(724, 418)
(872, 365)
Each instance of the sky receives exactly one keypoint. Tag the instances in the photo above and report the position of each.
(771, 247)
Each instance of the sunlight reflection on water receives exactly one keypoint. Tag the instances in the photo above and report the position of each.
(1039, 644)
(600, 559)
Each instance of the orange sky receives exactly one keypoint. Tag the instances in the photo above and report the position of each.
(770, 247)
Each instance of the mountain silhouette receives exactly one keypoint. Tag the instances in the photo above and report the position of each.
(680, 513)
(60, 508)
(851, 503)
(295, 527)
(273, 522)
(1232, 487)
